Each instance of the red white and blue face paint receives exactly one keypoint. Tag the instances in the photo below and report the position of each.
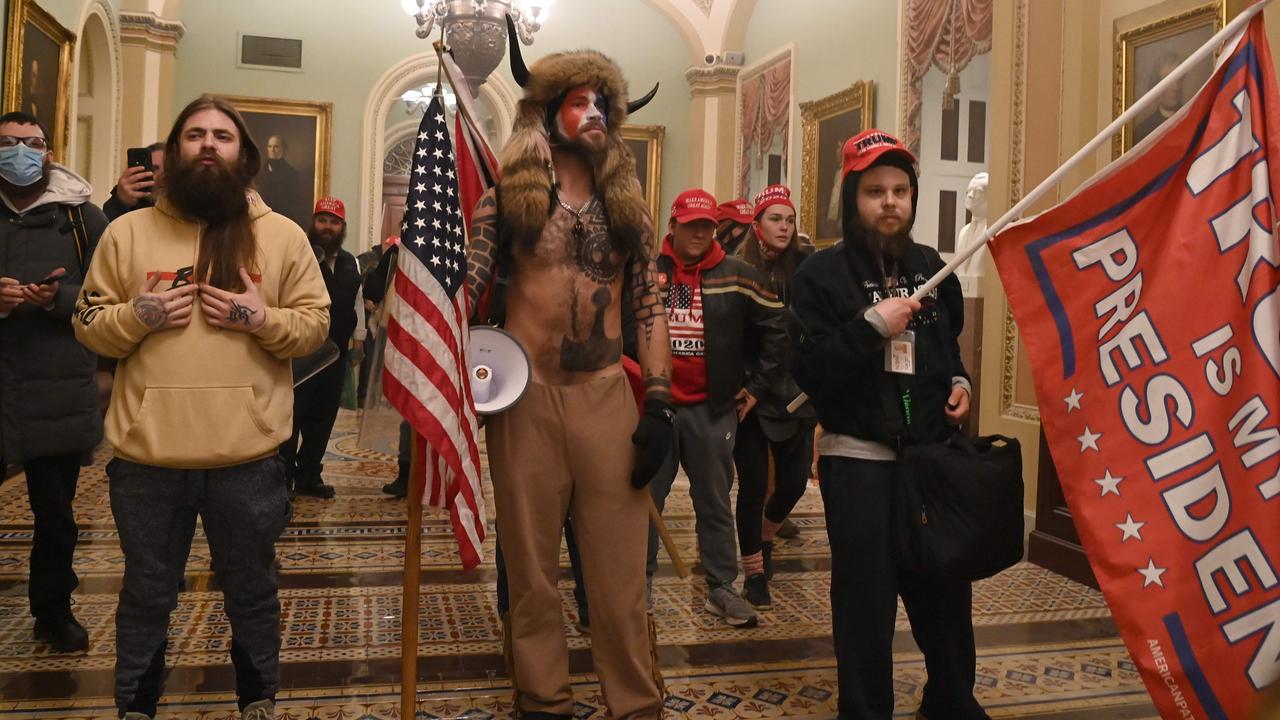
(582, 112)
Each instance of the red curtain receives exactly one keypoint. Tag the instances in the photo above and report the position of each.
(945, 34)
(766, 111)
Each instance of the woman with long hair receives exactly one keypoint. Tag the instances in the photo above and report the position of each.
(774, 248)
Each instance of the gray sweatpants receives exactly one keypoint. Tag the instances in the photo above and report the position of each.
(244, 510)
(704, 447)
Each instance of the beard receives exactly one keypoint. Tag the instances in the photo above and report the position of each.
(213, 194)
(328, 242)
(580, 145)
(886, 248)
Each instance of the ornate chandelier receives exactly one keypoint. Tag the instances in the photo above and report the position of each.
(476, 30)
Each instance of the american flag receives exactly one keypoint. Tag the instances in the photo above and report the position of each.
(425, 374)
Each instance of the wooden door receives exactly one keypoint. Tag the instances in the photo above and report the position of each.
(1054, 543)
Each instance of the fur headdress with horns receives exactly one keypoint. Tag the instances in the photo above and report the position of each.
(525, 190)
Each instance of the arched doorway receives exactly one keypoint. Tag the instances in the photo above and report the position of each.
(95, 148)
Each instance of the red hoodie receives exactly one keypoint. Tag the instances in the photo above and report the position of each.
(684, 325)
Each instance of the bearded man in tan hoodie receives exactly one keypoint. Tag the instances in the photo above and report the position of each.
(204, 299)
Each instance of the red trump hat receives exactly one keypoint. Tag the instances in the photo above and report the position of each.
(693, 205)
(333, 206)
(863, 149)
(772, 195)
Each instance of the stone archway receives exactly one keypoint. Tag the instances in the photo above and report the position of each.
(95, 149)
(498, 95)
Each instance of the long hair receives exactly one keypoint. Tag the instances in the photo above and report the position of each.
(782, 269)
(227, 243)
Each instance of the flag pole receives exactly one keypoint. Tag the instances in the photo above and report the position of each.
(1143, 103)
(1146, 101)
(409, 598)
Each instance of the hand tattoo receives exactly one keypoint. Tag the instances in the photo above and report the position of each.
(150, 311)
(240, 313)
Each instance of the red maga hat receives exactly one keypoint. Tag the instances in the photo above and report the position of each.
(739, 211)
(695, 204)
(333, 206)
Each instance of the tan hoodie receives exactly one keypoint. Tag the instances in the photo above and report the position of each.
(199, 397)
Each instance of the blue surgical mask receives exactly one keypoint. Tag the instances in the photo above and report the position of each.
(21, 165)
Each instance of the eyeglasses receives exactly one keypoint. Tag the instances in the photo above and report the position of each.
(35, 143)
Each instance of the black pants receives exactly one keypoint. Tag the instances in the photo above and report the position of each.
(857, 495)
(575, 566)
(792, 460)
(51, 487)
(244, 509)
(315, 408)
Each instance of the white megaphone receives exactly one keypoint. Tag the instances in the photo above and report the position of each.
(499, 368)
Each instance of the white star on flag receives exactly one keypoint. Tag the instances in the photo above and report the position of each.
(422, 152)
(1073, 400)
(421, 187)
(1089, 440)
(1151, 574)
(419, 241)
(420, 223)
(1130, 528)
(419, 205)
(1109, 483)
(423, 136)
(420, 169)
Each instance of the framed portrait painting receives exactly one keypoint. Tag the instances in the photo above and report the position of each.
(38, 70)
(294, 138)
(1145, 53)
(645, 143)
(826, 124)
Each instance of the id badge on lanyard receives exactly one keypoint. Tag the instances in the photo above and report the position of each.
(900, 353)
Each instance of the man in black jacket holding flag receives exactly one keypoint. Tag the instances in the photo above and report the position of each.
(884, 371)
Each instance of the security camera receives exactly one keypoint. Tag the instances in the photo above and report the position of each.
(711, 59)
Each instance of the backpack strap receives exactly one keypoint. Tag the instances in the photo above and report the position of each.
(75, 217)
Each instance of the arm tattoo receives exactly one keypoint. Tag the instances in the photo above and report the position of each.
(482, 252)
(645, 300)
(150, 311)
(657, 386)
(240, 313)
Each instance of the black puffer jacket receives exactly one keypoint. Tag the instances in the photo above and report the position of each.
(48, 397)
(839, 356)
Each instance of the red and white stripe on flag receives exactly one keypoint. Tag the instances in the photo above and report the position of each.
(425, 374)
(1149, 302)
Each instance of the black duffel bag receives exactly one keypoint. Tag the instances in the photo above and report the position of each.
(958, 507)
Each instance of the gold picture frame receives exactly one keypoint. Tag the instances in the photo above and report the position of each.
(645, 142)
(826, 124)
(1145, 52)
(306, 128)
(34, 36)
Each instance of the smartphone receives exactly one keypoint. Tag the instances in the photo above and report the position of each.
(139, 157)
(51, 279)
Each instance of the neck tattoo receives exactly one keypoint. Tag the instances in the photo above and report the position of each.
(579, 232)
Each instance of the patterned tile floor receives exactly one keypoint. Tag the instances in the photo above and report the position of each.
(1047, 647)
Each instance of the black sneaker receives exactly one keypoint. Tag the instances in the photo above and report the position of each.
(315, 489)
(63, 633)
(756, 591)
(787, 530)
(766, 551)
(397, 489)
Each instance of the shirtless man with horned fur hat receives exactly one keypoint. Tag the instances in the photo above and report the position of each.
(569, 230)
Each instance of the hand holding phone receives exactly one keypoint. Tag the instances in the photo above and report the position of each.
(137, 180)
(52, 278)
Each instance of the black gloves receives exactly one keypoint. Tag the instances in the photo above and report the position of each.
(653, 438)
